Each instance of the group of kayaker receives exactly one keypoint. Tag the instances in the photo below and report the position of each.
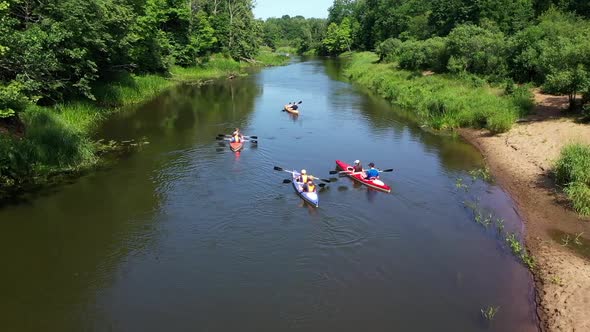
(370, 174)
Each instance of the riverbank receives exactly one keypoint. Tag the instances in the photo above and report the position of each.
(521, 161)
(521, 156)
(441, 102)
(58, 140)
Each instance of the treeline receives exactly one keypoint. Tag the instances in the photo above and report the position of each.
(55, 50)
(546, 42)
(298, 33)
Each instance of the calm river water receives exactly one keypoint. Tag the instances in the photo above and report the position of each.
(182, 237)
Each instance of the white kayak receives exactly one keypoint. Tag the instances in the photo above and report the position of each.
(311, 198)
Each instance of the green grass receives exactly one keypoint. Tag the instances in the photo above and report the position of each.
(58, 138)
(268, 58)
(286, 49)
(440, 101)
(572, 170)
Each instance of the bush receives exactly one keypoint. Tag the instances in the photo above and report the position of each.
(421, 55)
(524, 99)
(573, 164)
(579, 194)
(477, 50)
(440, 101)
(57, 144)
(388, 49)
(16, 161)
(12, 100)
(572, 170)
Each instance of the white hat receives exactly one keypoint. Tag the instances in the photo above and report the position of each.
(357, 161)
(303, 171)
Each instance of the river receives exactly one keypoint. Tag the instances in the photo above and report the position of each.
(185, 235)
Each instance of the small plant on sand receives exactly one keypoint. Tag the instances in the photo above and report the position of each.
(481, 173)
(514, 243)
(519, 251)
(577, 239)
(556, 280)
(565, 240)
(490, 312)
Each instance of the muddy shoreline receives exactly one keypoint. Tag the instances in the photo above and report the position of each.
(521, 160)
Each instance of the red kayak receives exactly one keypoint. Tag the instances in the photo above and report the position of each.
(236, 146)
(358, 177)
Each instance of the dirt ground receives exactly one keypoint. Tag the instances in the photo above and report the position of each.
(521, 161)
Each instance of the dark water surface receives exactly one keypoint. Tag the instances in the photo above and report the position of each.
(181, 237)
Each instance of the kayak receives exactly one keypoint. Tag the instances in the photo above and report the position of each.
(311, 198)
(236, 146)
(358, 177)
(292, 111)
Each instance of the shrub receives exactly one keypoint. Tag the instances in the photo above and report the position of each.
(572, 170)
(12, 100)
(388, 49)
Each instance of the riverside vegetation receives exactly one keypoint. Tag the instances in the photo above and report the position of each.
(66, 65)
(460, 63)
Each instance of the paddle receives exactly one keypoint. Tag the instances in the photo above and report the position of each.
(227, 135)
(229, 139)
(293, 103)
(321, 185)
(277, 168)
(354, 173)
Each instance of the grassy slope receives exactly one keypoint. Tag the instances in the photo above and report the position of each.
(440, 101)
(58, 138)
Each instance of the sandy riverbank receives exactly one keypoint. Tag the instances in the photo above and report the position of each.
(521, 160)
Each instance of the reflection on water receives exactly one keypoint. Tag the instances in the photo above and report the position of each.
(187, 235)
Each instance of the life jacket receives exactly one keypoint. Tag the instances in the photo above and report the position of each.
(304, 178)
(237, 138)
(310, 188)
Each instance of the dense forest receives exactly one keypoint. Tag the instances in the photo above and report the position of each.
(545, 42)
(53, 50)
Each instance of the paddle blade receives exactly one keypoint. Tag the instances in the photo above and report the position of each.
(277, 168)
(334, 172)
(326, 180)
(322, 185)
(254, 137)
(286, 181)
(300, 102)
(387, 170)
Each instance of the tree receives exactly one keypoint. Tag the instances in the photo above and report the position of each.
(338, 37)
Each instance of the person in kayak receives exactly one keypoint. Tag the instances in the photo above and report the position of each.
(309, 187)
(237, 136)
(302, 178)
(358, 167)
(372, 173)
(292, 106)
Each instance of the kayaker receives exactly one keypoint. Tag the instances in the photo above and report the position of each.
(237, 136)
(302, 178)
(372, 173)
(358, 167)
(309, 187)
(292, 106)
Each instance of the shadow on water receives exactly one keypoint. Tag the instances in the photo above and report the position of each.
(78, 234)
